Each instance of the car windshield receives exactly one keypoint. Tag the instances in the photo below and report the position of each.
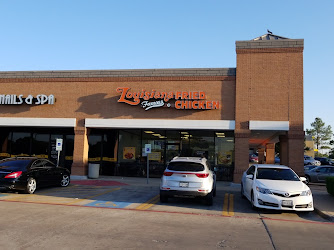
(14, 165)
(276, 174)
(185, 166)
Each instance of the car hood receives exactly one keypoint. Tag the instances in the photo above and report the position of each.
(281, 185)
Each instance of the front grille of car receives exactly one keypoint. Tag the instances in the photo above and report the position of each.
(290, 195)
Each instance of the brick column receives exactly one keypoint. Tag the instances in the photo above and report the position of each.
(261, 155)
(283, 150)
(241, 149)
(296, 151)
(80, 154)
(270, 153)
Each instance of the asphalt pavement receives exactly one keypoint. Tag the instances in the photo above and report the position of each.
(323, 201)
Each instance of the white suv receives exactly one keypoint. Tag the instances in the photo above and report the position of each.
(188, 177)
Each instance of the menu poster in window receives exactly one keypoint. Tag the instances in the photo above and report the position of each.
(129, 153)
(54, 153)
(154, 156)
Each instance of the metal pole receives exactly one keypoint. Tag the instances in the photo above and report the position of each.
(58, 158)
(147, 169)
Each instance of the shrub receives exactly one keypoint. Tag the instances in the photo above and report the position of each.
(330, 185)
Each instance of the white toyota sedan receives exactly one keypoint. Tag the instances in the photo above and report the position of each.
(276, 187)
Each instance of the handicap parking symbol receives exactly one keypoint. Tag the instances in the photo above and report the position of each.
(110, 204)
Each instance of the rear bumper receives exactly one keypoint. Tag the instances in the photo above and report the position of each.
(12, 184)
(177, 193)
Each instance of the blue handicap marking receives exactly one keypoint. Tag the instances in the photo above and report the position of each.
(114, 204)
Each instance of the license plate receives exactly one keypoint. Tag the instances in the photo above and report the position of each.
(184, 184)
(287, 203)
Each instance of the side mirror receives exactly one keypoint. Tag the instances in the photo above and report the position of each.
(303, 179)
(250, 176)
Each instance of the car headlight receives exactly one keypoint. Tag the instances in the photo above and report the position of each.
(263, 190)
(306, 193)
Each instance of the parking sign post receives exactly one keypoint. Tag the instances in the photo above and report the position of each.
(59, 147)
(147, 151)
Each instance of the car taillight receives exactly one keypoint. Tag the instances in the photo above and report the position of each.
(168, 173)
(14, 174)
(202, 175)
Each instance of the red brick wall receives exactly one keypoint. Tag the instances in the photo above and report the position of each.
(269, 87)
(97, 97)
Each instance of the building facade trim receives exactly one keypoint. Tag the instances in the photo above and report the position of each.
(163, 124)
(37, 122)
(269, 125)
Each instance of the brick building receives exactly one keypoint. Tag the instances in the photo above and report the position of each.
(107, 116)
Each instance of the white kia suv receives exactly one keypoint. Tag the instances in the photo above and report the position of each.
(188, 177)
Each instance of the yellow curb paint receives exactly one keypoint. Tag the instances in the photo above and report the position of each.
(228, 205)
(225, 206)
(231, 205)
(93, 196)
(149, 203)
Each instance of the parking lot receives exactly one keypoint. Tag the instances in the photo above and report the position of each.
(137, 194)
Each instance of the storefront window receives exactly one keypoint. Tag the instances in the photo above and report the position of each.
(4, 138)
(224, 158)
(40, 145)
(157, 140)
(69, 148)
(122, 152)
(129, 153)
(109, 152)
(202, 144)
(20, 144)
(95, 148)
(173, 145)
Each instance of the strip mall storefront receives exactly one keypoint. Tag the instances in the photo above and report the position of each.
(107, 116)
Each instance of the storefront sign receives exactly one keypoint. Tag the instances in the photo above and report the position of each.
(156, 99)
(20, 99)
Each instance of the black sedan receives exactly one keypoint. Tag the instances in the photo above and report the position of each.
(28, 173)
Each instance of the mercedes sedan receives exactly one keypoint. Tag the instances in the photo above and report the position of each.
(276, 187)
(28, 173)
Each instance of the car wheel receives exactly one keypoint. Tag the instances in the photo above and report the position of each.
(308, 179)
(163, 198)
(214, 191)
(209, 198)
(253, 202)
(65, 181)
(242, 192)
(31, 186)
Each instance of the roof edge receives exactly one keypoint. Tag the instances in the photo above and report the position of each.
(120, 73)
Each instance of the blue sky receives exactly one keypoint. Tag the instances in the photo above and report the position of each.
(142, 34)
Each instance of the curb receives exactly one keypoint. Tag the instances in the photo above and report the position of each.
(324, 214)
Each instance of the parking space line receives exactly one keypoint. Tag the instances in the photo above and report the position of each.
(149, 203)
(231, 205)
(228, 205)
(93, 196)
